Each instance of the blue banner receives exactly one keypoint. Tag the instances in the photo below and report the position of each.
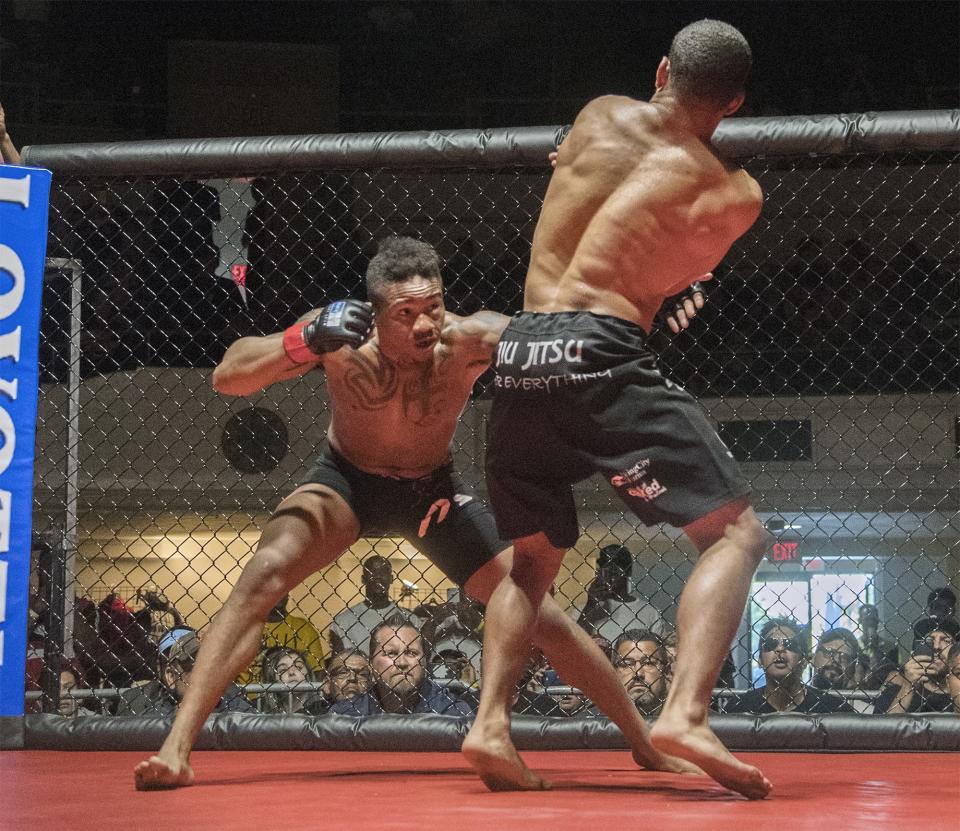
(24, 197)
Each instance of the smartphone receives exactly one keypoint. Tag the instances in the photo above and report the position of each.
(923, 649)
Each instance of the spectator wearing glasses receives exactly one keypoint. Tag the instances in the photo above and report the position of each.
(398, 658)
(783, 656)
(347, 674)
(921, 685)
(835, 660)
(284, 665)
(642, 662)
(177, 651)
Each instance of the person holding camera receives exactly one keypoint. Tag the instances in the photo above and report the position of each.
(921, 684)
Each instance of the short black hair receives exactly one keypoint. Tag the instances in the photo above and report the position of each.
(710, 61)
(840, 634)
(786, 623)
(638, 636)
(398, 259)
(346, 653)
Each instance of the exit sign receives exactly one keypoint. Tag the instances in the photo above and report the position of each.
(784, 552)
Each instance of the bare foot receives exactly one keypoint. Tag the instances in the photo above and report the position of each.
(499, 765)
(665, 763)
(697, 743)
(158, 774)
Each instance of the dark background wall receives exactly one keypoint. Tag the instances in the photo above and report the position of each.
(72, 71)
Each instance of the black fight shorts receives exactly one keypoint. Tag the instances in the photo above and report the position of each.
(437, 513)
(577, 393)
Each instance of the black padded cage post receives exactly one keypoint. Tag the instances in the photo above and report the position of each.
(828, 356)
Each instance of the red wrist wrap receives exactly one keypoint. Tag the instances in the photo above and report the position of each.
(295, 346)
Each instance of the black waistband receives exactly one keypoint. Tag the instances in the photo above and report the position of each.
(343, 462)
(580, 320)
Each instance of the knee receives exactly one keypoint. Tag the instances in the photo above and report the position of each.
(756, 540)
(531, 576)
(263, 582)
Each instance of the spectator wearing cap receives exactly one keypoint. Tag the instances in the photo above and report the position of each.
(611, 608)
(643, 664)
(177, 651)
(456, 658)
(283, 665)
(921, 685)
(351, 628)
(953, 676)
(835, 660)
(399, 659)
(882, 656)
(783, 656)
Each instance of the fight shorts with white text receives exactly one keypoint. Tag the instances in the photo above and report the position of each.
(437, 513)
(576, 393)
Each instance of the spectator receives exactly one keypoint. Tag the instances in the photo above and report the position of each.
(351, 628)
(530, 699)
(72, 679)
(177, 652)
(921, 684)
(456, 658)
(571, 704)
(283, 665)
(347, 674)
(953, 675)
(882, 655)
(8, 153)
(163, 614)
(398, 658)
(112, 644)
(611, 608)
(643, 664)
(835, 660)
(284, 629)
(783, 656)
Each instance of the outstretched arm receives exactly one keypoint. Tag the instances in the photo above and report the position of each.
(479, 334)
(254, 363)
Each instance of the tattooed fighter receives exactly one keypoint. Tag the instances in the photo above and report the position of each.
(398, 377)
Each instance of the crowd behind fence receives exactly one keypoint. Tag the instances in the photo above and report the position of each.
(828, 355)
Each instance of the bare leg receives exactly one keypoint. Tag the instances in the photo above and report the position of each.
(578, 659)
(732, 541)
(510, 622)
(308, 531)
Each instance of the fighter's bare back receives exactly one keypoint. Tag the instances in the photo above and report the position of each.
(661, 206)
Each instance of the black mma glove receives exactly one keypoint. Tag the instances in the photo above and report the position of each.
(344, 323)
(675, 302)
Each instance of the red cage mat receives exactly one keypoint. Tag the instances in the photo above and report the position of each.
(274, 791)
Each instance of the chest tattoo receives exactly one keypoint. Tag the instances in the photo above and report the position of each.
(373, 381)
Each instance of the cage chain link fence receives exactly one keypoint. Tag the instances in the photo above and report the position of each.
(827, 355)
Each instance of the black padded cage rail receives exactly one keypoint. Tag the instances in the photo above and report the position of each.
(828, 356)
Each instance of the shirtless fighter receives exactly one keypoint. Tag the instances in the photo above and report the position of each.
(639, 207)
(396, 391)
